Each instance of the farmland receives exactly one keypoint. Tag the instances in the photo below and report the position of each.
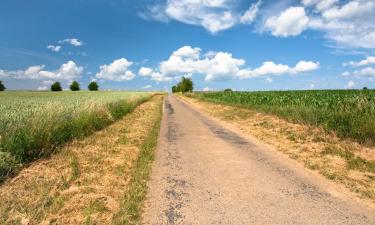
(33, 124)
(348, 113)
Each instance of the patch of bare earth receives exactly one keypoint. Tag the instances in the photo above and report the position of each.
(343, 161)
(85, 181)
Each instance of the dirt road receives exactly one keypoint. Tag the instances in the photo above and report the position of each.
(206, 173)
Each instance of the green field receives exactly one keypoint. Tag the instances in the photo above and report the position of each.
(348, 113)
(33, 124)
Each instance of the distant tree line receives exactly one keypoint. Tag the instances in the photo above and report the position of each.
(185, 85)
(74, 86)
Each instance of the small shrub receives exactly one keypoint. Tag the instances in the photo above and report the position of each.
(56, 86)
(74, 86)
(93, 86)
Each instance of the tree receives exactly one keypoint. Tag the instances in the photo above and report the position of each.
(74, 86)
(56, 86)
(185, 85)
(365, 88)
(2, 87)
(228, 90)
(93, 86)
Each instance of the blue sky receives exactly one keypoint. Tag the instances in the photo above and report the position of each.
(149, 45)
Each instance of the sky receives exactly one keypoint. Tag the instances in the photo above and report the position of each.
(150, 45)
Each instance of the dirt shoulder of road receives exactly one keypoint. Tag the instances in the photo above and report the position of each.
(345, 162)
(87, 181)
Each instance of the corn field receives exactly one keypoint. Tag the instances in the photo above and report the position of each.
(348, 113)
(33, 124)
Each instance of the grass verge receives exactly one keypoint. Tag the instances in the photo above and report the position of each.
(131, 207)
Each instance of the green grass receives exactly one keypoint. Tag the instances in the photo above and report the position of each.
(348, 113)
(33, 124)
(131, 207)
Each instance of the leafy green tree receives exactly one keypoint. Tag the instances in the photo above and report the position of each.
(185, 85)
(228, 90)
(93, 86)
(74, 86)
(2, 87)
(56, 86)
(365, 88)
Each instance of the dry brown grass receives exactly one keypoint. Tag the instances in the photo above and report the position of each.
(85, 181)
(343, 161)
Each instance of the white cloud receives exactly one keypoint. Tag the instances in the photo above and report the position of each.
(71, 41)
(364, 62)
(219, 66)
(249, 16)
(213, 15)
(48, 82)
(350, 24)
(55, 48)
(186, 61)
(271, 68)
(156, 76)
(67, 71)
(42, 88)
(345, 74)
(352, 9)
(269, 80)
(147, 86)
(118, 70)
(319, 4)
(350, 84)
(365, 72)
(291, 22)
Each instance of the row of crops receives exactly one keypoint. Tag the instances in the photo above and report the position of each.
(348, 113)
(33, 124)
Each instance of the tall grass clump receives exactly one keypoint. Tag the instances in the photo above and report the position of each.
(33, 124)
(348, 113)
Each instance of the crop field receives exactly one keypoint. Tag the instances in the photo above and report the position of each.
(32, 124)
(348, 113)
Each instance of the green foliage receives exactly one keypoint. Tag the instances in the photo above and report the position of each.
(56, 86)
(2, 87)
(33, 124)
(93, 86)
(74, 86)
(185, 85)
(348, 113)
(365, 88)
(228, 90)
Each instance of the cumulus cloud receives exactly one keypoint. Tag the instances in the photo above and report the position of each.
(67, 71)
(71, 41)
(271, 68)
(369, 60)
(187, 60)
(345, 23)
(214, 16)
(54, 48)
(118, 70)
(291, 22)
